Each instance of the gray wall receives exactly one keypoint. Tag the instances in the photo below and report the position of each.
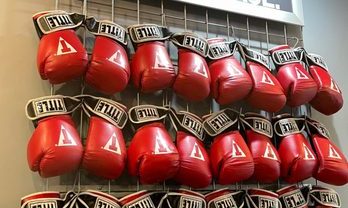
(325, 33)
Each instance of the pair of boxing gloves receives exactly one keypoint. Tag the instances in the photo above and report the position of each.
(290, 197)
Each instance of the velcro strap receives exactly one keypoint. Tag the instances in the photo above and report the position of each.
(147, 32)
(230, 200)
(326, 197)
(107, 109)
(191, 41)
(221, 50)
(146, 113)
(181, 200)
(144, 200)
(293, 199)
(52, 21)
(288, 126)
(51, 105)
(251, 55)
(94, 199)
(188, 122)
(284, 56)
(221, 121)
(315, 59)
(108, 29)
(42, 199)
(259, 125)
(260, 201)
(315, 127)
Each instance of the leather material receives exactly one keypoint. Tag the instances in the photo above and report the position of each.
(299, 86)
(55, 147)
(109, 70)
(152, 156)
(105, 151)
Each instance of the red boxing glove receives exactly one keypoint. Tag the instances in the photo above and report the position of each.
(105, 152)
(259, 198)
(152, 156)
(298, 161)
(193, 79)
(230, 157)
(151, 67)
(55, 146)
(333, 166)
(194, 168)
(108, 71)
(320, 197)
(61, 56)
(259, 133)
(225, 198)
(292, 197)
(229, 80)
(329, 98)
(299, 86)
(267, 93)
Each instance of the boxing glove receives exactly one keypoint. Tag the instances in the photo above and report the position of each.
(292, 197)
(151, 67)
(328, 99)
(152, 156)
(42, 199)
(229, 80)
(320, 197)
(61, 56)
(105, 151)
(143, 199)
(230, 158)
(259, 198)
(193, 80)
(55, 146)
(226, 198)
(259, 133)
(267, 93)
(333, 166)
(183, 198)
(194, 170)
(92, 198)
(298, 161)
(299, 86)
(108, 71)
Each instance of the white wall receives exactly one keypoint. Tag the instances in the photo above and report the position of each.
(326, 33)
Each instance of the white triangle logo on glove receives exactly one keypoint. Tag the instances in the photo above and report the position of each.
(117, 58)
(236, 150)
(334, 86)
(308, 155)
(269, 152)
(333, 153)
(300, 74)
(200, 69)
(161, 147)
(234, 71)
(266, 79)
(64, 47)
(196, 152)
(65, 138)
(113, 145)
(161, 62)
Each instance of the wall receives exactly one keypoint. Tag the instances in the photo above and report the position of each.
(19, 82)
(324, 34)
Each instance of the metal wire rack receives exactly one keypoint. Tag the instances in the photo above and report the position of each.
(259, 34)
